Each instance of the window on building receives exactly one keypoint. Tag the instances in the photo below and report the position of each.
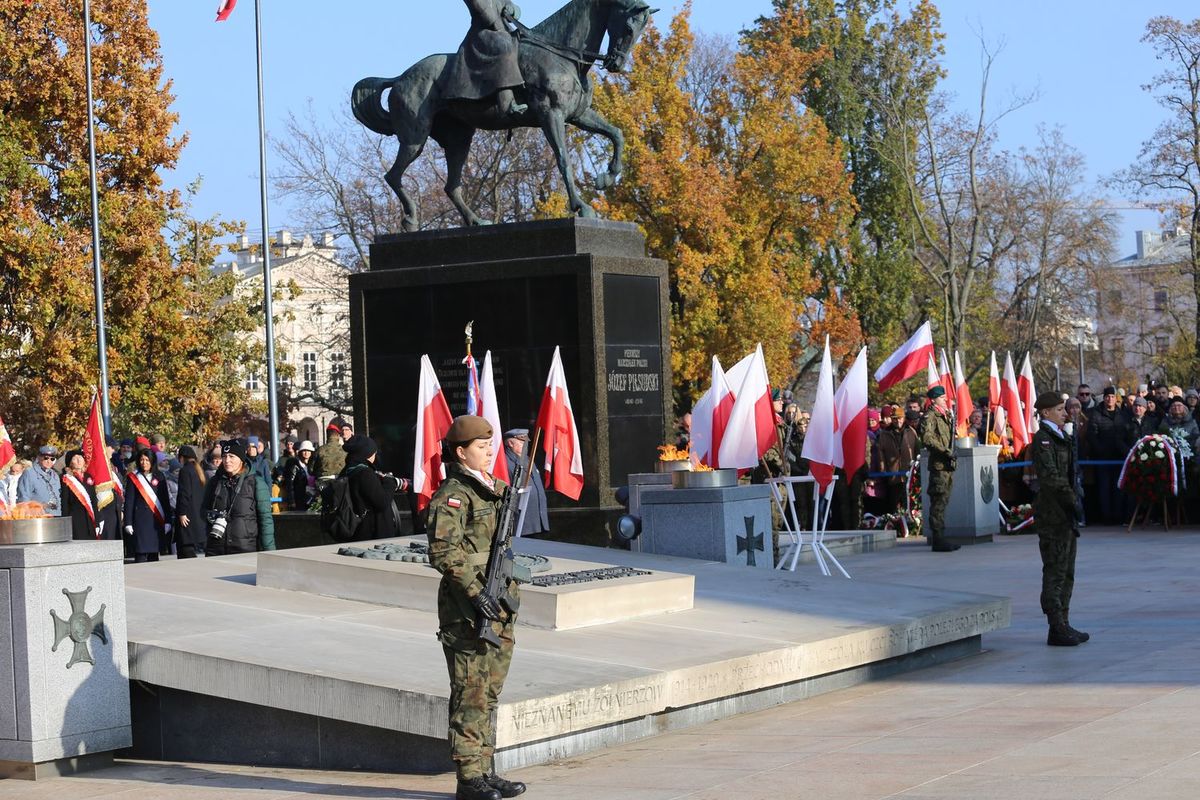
(1161, 345)
(285, 380)
(251, 382)
(337, 373)
(309, 374)
(1160, 299)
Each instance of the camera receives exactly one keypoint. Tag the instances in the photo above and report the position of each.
(216, 523)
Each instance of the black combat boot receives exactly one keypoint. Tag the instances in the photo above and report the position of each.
(1080, 635)
(505, 788)
(476, 789)
(1060, 635)
(943, 546)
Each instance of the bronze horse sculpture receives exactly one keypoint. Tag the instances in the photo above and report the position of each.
(555, 57)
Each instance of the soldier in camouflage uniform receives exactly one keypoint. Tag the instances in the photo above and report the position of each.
(937, 438)
(1053, 454)
(463, 515)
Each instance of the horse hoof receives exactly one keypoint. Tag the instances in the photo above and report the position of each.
(605, 181)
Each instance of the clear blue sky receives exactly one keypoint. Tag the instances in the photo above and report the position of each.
(1084, 58)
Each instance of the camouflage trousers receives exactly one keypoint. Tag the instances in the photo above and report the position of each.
(477, 673)
(1058, 571)
(939, 497)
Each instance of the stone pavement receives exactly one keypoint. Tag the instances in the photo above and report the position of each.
(1118, 717)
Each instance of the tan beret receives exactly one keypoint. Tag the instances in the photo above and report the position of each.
(467, 428)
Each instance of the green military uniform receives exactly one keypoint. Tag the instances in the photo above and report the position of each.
(463, 515)
(329, 460)
(937, 438)
(1053, 455)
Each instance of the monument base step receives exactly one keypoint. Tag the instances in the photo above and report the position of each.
(59, 768)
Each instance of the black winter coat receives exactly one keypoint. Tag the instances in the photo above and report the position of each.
(1107, 434)
(189, 502)
(246, 502)
(82, 526)
(374, 494)
(147, 531)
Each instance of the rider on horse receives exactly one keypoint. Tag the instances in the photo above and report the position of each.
(486, 63)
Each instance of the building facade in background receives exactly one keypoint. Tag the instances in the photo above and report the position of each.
(312, 329)
(1146, 308)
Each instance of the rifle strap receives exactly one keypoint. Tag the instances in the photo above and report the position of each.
(478, 559)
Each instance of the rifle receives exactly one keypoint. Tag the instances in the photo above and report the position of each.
(500, 559)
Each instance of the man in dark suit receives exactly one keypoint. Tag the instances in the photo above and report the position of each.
(516, 442)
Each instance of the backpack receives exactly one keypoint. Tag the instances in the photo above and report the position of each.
(338, 518)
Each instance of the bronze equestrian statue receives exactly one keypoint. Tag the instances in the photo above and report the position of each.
(505, 76)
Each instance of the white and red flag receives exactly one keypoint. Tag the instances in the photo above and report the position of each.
(850, 415)
(751, 430)
(993, 384)
(907, 360)
(822, 447)
(1028, 395)
(964, 405)
(225, 9)
(946, 377)
(710, 418)
(560, 437)
(8, 453)
(433, 423)
(932, 378)
(1011, 402)
(99, 467)
(489, 409)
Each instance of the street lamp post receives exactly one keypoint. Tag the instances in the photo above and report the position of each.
(97, 274)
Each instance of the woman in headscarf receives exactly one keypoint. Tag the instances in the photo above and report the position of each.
(147, 508)
(190, 534)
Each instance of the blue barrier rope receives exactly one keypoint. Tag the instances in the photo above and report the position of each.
(1006, 465)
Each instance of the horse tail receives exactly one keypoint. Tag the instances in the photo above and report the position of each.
(366, 101)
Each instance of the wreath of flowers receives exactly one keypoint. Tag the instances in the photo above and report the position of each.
(1151, 470)
(1017, 518)
(912, 507)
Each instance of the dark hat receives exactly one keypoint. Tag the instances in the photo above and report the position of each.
(1048, 400)
(111, 441)
(935, 392)
(290, 438)
(71, 454)
(186, 451)
(1110, 390)
(252, 440)
(1139, 401)
(335, 423)
(127, 443)
(360, 447)
(775, 395)
(467, 428)
(513, 433)
(911, 415)
(235, 446)
(888, 410)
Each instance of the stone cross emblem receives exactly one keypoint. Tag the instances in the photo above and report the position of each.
(78, 627)
(749, 543)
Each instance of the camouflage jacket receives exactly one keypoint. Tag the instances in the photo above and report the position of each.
(1053, 457)
(463, 516)
(937, 436)
(329, 460)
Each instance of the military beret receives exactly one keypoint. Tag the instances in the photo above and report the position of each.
(1048, 400)
(935, 392)
(467, 428)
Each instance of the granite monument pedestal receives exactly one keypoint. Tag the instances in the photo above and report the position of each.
(732, 525)
(583, 285)
(973, 513)
(64, 668)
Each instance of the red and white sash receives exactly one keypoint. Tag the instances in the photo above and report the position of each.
(81, 495)
(147, 492)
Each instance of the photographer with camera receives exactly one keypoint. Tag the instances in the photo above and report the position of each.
(371, 492)
(237, 506)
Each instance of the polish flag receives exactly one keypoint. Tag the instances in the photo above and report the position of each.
(850, 415)
(710, 418)
(560, 437)
(489, 409)
(8, 453)
(822, 448)
(932, 377)
(433, 423)
(962, 393)
(225, 9)
(946, 377)
(99, 467)
(907, 360)
(1010, 400)
(1028, 395)
(993, 384)
(751, 430)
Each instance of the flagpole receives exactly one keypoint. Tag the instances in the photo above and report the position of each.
(97, 275)
(268, 309)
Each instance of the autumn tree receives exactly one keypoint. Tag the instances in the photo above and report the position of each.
(174, 349)
(1167, 170)
(739, 188)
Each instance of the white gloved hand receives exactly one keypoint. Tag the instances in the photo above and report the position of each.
(129, 529)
